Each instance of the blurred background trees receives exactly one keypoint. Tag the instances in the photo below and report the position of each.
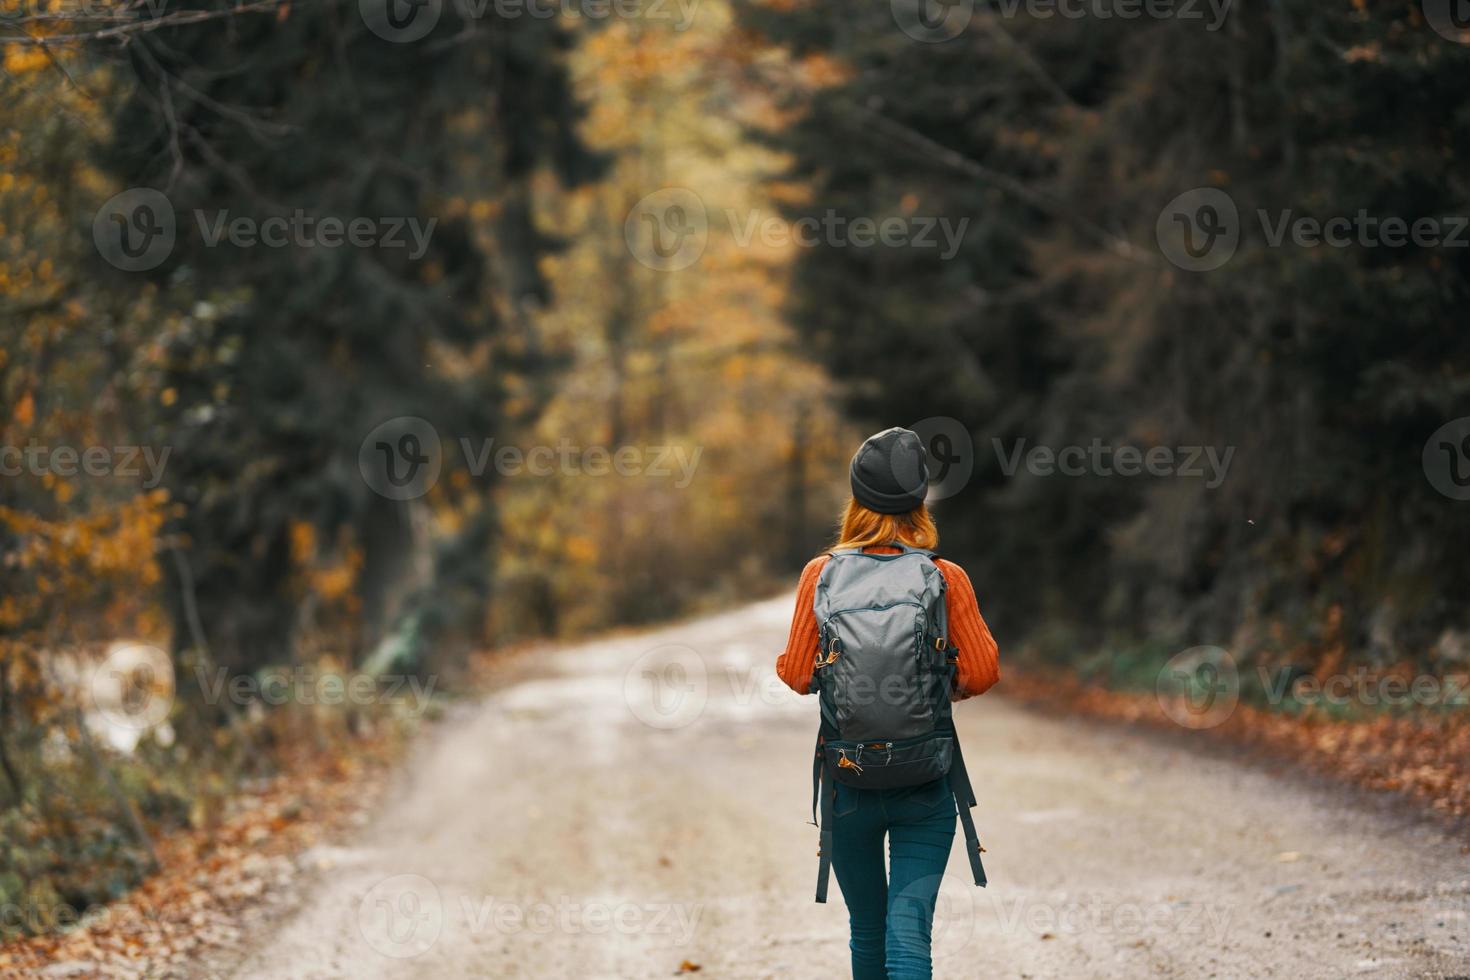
(1060, 322)
(516, 146)
(282, 359)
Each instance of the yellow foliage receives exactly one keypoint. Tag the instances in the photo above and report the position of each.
(581, 549)
(25, 410)
(302, 535)
(67, 562)
(23, 59)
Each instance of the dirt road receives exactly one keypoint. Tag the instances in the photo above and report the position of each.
(638, 804)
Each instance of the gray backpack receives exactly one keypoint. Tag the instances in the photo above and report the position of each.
(883, 676)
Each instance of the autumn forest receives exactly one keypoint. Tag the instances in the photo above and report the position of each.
(351, 350)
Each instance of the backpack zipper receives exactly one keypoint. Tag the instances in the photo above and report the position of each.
(900, 743)
(897, 602)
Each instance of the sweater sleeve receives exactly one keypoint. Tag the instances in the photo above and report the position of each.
(979, 658)
(796, 663)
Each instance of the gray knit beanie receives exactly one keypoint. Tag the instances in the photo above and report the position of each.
(890, 472)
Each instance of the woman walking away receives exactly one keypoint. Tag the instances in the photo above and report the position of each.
(888, 636)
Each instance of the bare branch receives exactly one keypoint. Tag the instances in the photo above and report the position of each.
(125, 27)
(967, 165)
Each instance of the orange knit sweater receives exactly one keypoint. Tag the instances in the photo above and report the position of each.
(979, 666)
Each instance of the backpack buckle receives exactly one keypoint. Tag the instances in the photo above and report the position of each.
(831, 654)
(939, 643)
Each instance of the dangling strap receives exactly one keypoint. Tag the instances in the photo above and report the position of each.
(823, 788)
(964, 798)
(816, 781)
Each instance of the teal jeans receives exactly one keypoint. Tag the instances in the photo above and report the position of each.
(891, 911)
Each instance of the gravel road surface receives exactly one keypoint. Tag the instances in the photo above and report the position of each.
(636, 807)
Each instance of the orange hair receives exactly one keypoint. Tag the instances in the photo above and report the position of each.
(863, 528)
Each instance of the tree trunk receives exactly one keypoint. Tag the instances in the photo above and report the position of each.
(11, 773)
